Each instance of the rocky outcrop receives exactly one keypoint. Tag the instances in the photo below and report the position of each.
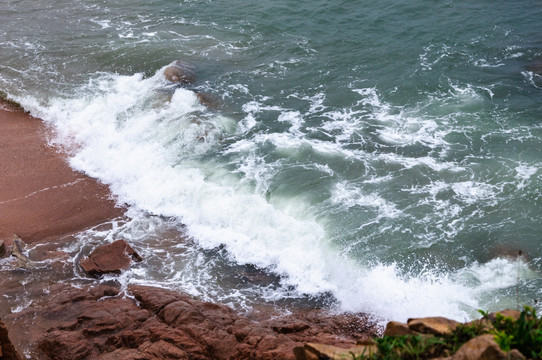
(103, 323)
(7, 350)
(180, 72)
(110, 258)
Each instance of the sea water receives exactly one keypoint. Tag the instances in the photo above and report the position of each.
(381, 157)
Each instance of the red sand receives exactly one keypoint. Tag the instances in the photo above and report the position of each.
(41, 197)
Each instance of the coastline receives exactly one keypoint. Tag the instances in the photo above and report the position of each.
(68, 317)
(41, 197)
(45, 203)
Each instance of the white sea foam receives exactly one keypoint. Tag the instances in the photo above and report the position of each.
(350, 196)
(149, 146)
(524, 174)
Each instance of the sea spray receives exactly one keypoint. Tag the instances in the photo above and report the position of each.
(156, 147)
(385, 165)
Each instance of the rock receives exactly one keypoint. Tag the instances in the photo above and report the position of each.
(536, 67)
(110, 258)
(7, 350)
(100, 323)
(394, 328)
(484, 347)
(313, 351)
(366, 342)
(432, 325)
(2, 248)
(17, 249)
(180, 72)
(515, 354)
(208, 100)
(514, 314)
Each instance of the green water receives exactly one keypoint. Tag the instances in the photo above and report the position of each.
(402, 138)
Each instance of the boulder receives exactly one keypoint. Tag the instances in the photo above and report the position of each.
(7, 350)
(180, 72)
(17, 250)
(110, 258)
(208, 100)
(394, 328)
(484, 347)
(514, 314)
(432, 325)
(313, 351)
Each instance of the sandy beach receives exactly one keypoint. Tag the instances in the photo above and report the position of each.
(41, 197)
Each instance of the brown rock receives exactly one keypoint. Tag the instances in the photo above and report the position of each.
(514, 314)
(17, 249)
(2, 248)
(394, 328)
(110, 258)
(7, 350)
(208, 100)
(432, 325)
(180, 72)
(313, 351)
(99, 323)
(536, 67)
(484, 347)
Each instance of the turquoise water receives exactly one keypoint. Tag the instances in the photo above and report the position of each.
(381, 157)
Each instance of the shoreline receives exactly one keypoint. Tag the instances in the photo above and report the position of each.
(45, 203)
(41, 197)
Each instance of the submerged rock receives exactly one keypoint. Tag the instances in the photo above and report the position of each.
(110, 258)
(536, 67)
(208, 100)
(180, 72)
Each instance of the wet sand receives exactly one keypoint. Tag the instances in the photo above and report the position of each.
(41, 197)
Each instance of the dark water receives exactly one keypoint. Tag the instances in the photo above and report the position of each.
(373, 156)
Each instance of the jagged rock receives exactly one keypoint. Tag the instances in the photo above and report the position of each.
(7, 350)
(432, 325)
(313, 351)
(17, 250)
(99, 323)
(484, 347)
(110, 258)
(394, 328)
(180, 72)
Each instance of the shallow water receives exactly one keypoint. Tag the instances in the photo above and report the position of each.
(368, 157)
